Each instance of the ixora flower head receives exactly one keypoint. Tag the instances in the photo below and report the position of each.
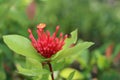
(46, 44)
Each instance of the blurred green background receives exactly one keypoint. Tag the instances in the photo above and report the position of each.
(97, 21)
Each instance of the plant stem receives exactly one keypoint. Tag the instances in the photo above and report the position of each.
(51, 70)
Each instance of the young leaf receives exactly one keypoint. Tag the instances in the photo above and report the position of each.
(71, 40)
(22, 46)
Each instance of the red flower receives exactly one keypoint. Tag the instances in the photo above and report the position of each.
(47, 45)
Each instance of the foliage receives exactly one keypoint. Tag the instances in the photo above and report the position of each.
(96, 20)
(23, 46)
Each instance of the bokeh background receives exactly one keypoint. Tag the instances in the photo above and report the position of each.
(97, 21)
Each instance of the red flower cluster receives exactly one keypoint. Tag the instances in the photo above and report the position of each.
(47, 45)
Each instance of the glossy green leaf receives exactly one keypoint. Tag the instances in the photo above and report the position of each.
(72, 51)
(22, 46)
(69, 72)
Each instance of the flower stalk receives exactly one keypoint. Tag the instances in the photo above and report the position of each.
(51, 70)
(47, 45)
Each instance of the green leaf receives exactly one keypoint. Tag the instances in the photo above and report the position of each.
(70, 77)
(22, 46)
(32, 63)
(72, 73)
(101, 60)
(37, 77)
(31, 72)
(46, 77)
(72, 51)
(32, 68)
(71, 40)
(58, 65)
(83, 58)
